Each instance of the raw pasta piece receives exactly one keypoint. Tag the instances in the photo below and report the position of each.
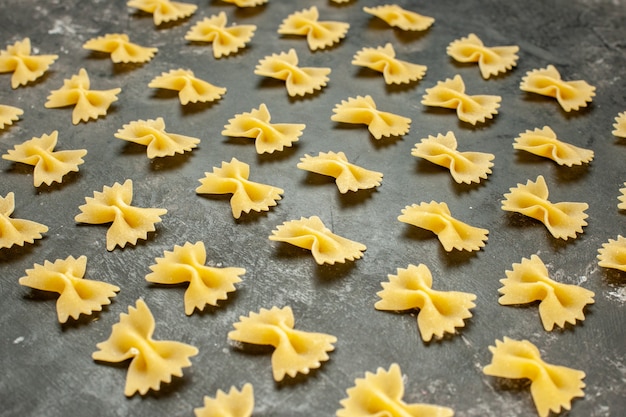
(552, 387)
(383, 59)
(164, 11)
(232, 178)
(8, 115)
(88, 104)
(207, 284)
(492, 60)
(571, 95)
(326, 247)
(452, 233)
(559, 303)
(151, 361)
(341, 1)
(396, 16)
(620, 125)
(246, 3)
(151, 133)
(190, 89)
(120, 47)
(16, 231)
(296, 351)
(76, 295)
(563, 220)
(612, 254)
(24, 66)
(269, 137)
(234, 404)
(298, 80)
(225, 40)
(50, 166)
(465, 167)
(380, 394)
(543, 142)
(348, 177)
(362, 110)
(450, 94)
(319, 34)
(113, 205)
(622, 198)
(439, 311)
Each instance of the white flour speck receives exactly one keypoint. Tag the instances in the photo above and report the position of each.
(18, 340)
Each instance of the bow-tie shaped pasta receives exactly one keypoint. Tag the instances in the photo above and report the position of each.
(465, 167)
(8, 115)
(225, 40)
(491, 60)
(325, 246)
(16, 231)
(24, 66)
(543, 142)
(269, 137)
(348, 177)
(552, 387)
(164, 11)
(362, 110)
(122, 50)
(529, 281)
(234, 404)
(439, 311)
(450, 94)
(77, 295)
(622, 198)
(563, 220)
(246, 3)
(50, 166)
(232, 178)
(298, 80)
(620, 125)
(295, 351)
(151, 361)
(128, 223)
(152, 134)
(571, 95)
(88, 104)
(383, 59)
(319, 34)
(612, 254)
(190, 89)
(207, 284)
(380, 394)
(396, 16)
(452, 233)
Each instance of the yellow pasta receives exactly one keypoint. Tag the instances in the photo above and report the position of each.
(543, 142)
(8, 115)
(319, 34)
(234, 404)
(465, 167)
(159, 143)
(622, 198)
(452, 233)
(225, 40)
(362, 110)
(207, 285)
(620, 125)
(295, 351)
(113, 205)
(552, 387)
(439, 311)
(450, 94)
(24, 66)
(66, 277)
(190, 89)
(151, 361)
(380, 394)
(492, 60)
(325, 246)
(120, 47)
(16, 231)
(269, 137)
(559, 303)
(396, 16)
(164, 11)
(383, 59)
(612, 254)
(563, 220)
(246, 3)
(88, 104)
(571, 95)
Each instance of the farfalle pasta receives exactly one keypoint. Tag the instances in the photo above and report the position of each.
(50, 165)
(465, 167)
(122, 50)
(77, 295)
(543, 142)
(440, 312)
(237, 403)
(295, 352)
(319, 34)
(563, 220)
(25, 67)
(620, 125)
(232, 178)
(559, 303)
(164, 11)
(8, 115)
(246, 3)
(151, 361)
(16, 231)
(225, 40)
(552, 387)
(207, 285)
(113, 205)
(190, 88)
(612, 254)
(571, 95)
(622, 198)
(492, 60)
(325, 246)
(362, 110)
(159, 143)
(396, 16)
(450, 94)
(383, 59)
(452, 233)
